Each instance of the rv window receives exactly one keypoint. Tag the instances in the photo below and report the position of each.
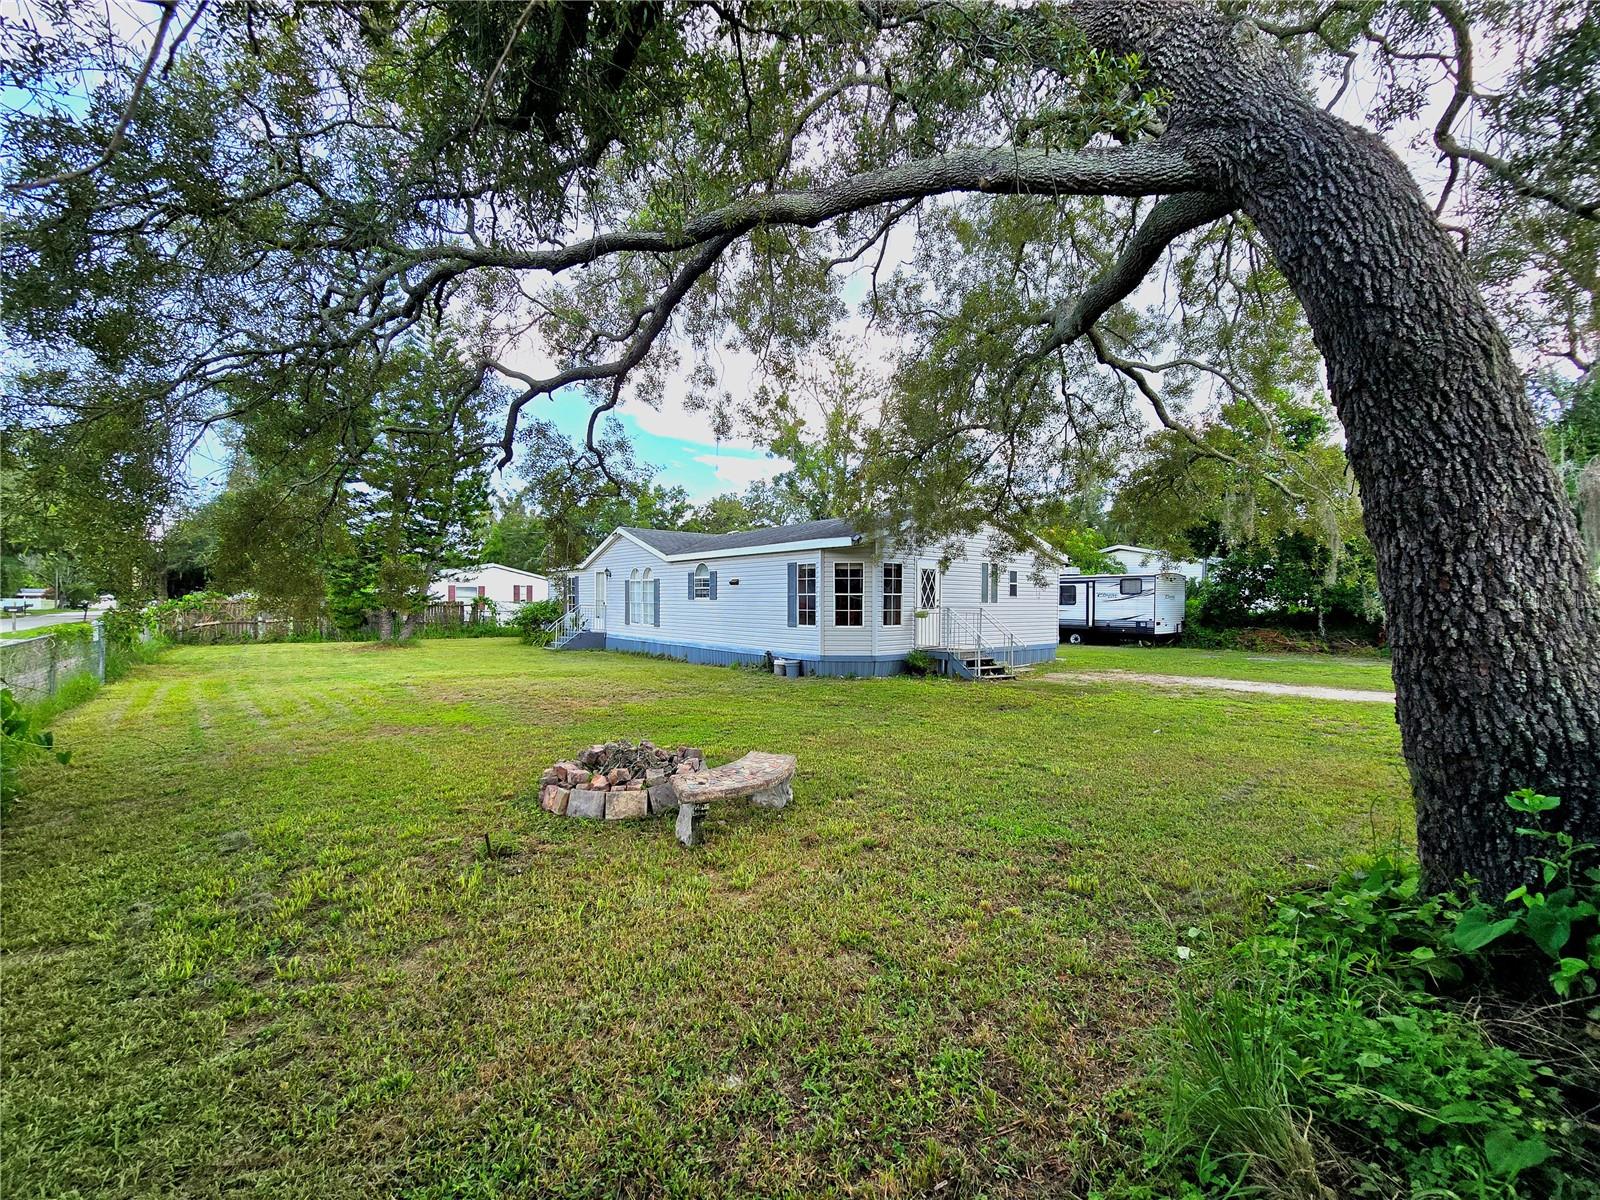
(1132, 587)
(849, 591)
(1069, 594)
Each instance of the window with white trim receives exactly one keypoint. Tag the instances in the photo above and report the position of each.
(805, 594)
(849, 593)
(647, 599)
(702, 582)
(893, 587)
(1011, 584)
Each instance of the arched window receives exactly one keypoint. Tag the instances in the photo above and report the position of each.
(635, 601)
(702, 582)
(647, 598)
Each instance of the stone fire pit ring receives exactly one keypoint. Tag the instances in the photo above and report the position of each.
(617, 781)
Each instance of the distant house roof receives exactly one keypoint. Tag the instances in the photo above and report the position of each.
(463, 572)
(1148, 552)
(676, 546)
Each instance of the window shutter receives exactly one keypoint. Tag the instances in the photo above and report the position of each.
(655, 602)
(794, 595)
(691, 585)
(713, 585)
(482, 591)
(627, 602)
(452, 591)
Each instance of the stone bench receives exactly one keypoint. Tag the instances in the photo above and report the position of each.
(765, 778)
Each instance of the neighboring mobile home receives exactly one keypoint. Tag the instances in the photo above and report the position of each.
(820, 593)
(508, 587)
(1142, 560)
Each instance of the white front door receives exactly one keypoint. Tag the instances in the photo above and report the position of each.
(599, 620)
(930, 583)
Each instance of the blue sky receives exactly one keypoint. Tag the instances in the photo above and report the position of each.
(703, 469)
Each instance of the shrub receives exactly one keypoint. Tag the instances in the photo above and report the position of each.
(21, 739)
(919, 662)
(123, 626)
(1351, 1052)
(534, 620)
(468, 629)
(72, 632)
(1560, 919)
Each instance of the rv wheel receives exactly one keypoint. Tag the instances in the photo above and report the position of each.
(1074, 639)
(1146, 642)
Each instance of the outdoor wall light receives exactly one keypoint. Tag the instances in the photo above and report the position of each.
(733, 583)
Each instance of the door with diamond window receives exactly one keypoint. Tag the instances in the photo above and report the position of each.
(930, 582)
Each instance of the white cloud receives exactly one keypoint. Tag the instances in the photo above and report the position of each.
(740, 471)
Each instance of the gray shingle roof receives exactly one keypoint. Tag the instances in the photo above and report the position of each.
(670, 542)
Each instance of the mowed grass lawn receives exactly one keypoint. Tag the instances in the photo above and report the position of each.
(254, 943)
(1316, 670)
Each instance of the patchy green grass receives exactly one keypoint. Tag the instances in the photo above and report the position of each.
(1316, 670)
(254, 944)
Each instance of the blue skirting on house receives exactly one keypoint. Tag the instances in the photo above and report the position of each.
(828, 664)
(711, 656)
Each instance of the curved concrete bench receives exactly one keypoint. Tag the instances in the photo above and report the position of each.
(765, 778)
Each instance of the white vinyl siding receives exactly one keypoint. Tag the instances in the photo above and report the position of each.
(750, 615)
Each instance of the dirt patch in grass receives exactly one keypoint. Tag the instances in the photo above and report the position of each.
(1260, 687)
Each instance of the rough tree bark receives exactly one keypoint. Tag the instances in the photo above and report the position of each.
(1493, 619)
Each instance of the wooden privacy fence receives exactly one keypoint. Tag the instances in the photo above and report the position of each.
(248, 629)
(36, 668)
(237, 621)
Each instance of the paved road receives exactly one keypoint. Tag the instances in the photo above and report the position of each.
(42, 620)
(1228, 685)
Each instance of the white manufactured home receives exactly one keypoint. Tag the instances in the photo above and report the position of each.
(820, 593)
(508, 587)
(1142, 607)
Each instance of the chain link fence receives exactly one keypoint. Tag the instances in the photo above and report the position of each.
(37, 668)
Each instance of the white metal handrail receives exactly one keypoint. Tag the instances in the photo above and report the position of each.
(979, 635)
(569, 625)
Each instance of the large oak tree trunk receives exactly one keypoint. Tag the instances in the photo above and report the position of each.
(1492, 616)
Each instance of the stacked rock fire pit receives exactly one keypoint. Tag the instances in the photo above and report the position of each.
(618, 781)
